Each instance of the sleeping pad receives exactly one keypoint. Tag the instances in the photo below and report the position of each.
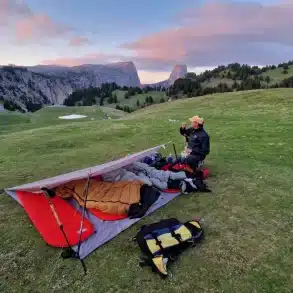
(112, 198)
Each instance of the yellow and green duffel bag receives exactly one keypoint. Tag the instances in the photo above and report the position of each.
(165, 240)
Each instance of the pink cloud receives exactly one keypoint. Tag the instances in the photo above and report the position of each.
(79, 41)
(12, 7)
(38, 26)
(12, 10)
(218, 32)
(26, 25)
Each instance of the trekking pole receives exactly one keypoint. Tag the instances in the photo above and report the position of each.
(49, 194)
(175, 151)
(85, 193)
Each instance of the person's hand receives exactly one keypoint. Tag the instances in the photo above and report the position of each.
(188, 151)
(183, 125)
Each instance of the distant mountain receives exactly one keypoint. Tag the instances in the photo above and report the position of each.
(48, 69)
(26, 88)
(52, 84)
(87, 75)
(179, 71)
(35, 86)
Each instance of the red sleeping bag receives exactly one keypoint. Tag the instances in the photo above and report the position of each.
(205, 173)
(105, 216)
(38, 209)
(171, 190)
(182, 167)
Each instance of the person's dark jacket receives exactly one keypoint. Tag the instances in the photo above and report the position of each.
(198, 141)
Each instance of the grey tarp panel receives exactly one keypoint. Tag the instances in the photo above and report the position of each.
(84, 173)
(105, 230)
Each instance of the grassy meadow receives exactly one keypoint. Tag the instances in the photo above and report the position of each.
(247, 218)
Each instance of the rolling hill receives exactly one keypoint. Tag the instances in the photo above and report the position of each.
(226, 74)
(132, 101)
(278, 74)
(247, 219)
(48, 116)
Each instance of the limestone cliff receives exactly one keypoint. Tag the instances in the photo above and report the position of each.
(51, 84)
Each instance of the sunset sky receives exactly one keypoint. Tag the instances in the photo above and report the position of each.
(154, 34)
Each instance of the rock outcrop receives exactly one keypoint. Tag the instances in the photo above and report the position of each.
(21, 86)
(51, 84)
(87, 75)
(179, 71)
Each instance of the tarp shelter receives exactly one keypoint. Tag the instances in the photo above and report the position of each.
(104, 230)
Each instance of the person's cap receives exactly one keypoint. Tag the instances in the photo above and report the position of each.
(197, 119)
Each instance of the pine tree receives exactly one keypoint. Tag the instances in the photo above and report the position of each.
(102, 101)
(110, 100)
(267, 79)
(115, 100)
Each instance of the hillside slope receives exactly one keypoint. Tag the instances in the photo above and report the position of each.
(251, 77)
(279, 74)
(247, 219)
(138, 100)
(48, 116)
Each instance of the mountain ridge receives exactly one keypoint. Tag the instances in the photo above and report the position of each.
(52, 84)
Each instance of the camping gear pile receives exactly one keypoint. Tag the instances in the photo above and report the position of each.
(84, 209)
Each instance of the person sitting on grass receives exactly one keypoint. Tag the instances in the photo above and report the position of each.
(198, 142)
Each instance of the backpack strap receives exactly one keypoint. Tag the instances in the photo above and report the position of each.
(175, 235)
(158, 242)
(191, 225)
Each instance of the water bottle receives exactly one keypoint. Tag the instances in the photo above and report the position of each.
(170, 159)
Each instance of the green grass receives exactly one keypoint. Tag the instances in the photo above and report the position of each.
(12, 118)
(213, 82)
(247, 218)
(132, 101)
(48, 116)
(277, 74)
